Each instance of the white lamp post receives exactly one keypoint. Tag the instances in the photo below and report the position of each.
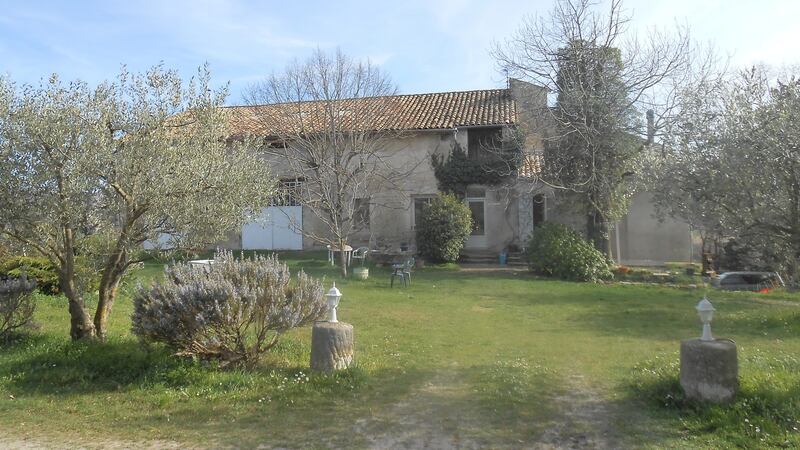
(706, 311)
(333, 297)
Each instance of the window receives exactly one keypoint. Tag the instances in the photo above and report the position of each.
(481, 141)
(538, 210)
(288, 193)
(361, 213)
(476, 209)
(419, 203)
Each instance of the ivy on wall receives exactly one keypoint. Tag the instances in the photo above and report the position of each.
(455, 173)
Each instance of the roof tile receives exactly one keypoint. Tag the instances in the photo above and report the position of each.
(444, 110)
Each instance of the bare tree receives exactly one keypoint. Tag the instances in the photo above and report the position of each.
(95, 172)
(332, 122)
(603, 79)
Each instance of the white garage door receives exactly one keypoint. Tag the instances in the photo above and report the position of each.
(278, 228)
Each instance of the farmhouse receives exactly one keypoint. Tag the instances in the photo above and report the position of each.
(504, 214)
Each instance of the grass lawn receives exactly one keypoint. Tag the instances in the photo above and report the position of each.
(461, 358)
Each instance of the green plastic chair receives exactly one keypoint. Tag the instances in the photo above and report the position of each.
(403, 271)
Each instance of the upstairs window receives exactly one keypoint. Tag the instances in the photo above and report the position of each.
(288, 193)
(484, 141)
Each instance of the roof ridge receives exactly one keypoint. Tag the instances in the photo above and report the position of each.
(469, 91)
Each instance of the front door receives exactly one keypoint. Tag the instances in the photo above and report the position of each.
(477, 207)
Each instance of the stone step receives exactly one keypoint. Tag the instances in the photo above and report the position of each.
(483, 257)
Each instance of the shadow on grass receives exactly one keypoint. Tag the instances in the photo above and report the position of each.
(16, 340)
(55, 366)
(501, 405)
(766, 411)
(61, 367)
(281, 402)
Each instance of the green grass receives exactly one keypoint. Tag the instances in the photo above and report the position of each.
(487, 354)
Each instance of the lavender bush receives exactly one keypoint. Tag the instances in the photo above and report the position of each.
(16, 304)
(232, 311)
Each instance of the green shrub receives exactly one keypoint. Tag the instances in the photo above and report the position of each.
(557, 251)
(233, 311)
(88, 266)
(16, 304)
(39, 269)
(444, 227)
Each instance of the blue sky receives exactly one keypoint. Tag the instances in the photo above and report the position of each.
(426, 46)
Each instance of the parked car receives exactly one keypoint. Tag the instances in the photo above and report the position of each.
(748, 281)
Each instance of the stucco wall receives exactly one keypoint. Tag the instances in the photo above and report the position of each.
(391, 211)
(391, 216)
(645, 240)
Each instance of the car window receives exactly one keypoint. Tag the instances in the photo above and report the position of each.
(732, 279)
(754, 278)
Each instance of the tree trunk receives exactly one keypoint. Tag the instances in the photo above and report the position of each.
(343, 258)
(81, 326)
(794, 264)
(597, 232)
(107, 292)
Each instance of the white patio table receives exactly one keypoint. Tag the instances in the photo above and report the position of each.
(332, 250)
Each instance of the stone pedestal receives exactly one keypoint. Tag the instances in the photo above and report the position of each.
(331, 346)
(709, 370)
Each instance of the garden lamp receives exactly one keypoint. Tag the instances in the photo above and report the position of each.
(706, 311)
(333, 297)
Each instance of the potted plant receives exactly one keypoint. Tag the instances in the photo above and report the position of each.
(361, 273)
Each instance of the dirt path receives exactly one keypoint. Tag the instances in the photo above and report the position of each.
(7, 442)
(437, 415)
(584, 420)
(432, 416)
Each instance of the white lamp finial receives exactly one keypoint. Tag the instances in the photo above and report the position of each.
(333, 297)
(706, 311)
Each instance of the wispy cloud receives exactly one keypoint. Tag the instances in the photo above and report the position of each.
(425, 45)
(217, 30)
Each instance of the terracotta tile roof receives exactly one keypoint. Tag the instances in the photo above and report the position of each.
(531, 165)
(445, 110)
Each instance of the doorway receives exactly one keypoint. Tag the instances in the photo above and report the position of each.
(476, 202)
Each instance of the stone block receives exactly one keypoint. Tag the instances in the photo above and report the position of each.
(331, 346)
(709, 370)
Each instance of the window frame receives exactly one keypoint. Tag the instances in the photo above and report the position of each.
(414, 198)
(286, 194)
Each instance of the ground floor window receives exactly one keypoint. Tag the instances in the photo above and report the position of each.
(420, 202)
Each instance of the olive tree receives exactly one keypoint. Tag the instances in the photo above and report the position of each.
(732, 165)
(97, 171)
